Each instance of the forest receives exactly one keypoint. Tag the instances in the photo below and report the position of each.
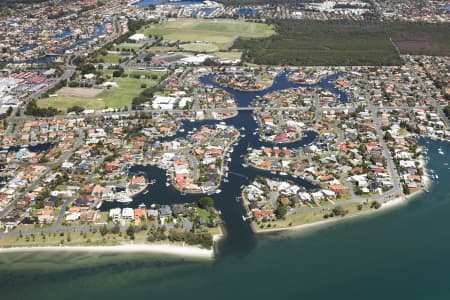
(341, 43)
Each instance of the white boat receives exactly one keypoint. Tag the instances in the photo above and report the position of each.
(249, 149)
(167, 184)
(440, 151)
(218, 191)
(245, 165)
(283, 173)
(124, 199)
(99, 205)
(229, 159)
(146, 192)
(181, 130)
(273, 172)
(436, 176)
(243, 128)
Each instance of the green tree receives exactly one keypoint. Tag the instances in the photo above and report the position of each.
(281, 211)
(206, 202)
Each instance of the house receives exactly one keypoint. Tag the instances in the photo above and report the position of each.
(115, 214)
(140, 214)
(337, 188)
(128, 213)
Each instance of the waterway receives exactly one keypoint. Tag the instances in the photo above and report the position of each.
(401, 253)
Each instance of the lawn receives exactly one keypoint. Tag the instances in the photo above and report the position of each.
(116, 97)
(199, 47)
(129, 46)
(308, 217)
(228, 55)
(222, 33)
(110, 58)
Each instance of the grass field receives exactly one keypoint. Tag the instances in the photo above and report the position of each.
(199, 47)
(127, 46)
(117, 97)
(228, 55)
(221, 33)
(110, 58)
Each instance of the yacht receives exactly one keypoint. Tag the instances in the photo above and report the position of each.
(124, 199)
(218, 191)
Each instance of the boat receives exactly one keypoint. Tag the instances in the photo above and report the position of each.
(146, 192)
(242, 128)
(273, 172)
(244, 165)
(124, 199)
(440, 151)
(153, 181)
(181, 130)
(218, 191)
(249, 149)
(229, 159)
(436, 176)
(225, 180)
(283, 173)
(99, 205)
(167, 184)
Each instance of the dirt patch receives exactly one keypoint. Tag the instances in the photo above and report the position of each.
(78, 92)
(419, 45)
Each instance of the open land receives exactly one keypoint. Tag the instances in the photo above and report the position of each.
(221, 33)
(115, 97)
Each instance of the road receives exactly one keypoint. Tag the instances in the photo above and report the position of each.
(35, 183)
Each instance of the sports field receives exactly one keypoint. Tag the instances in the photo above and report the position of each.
(220, 33)
(199, 47)
(116, 97)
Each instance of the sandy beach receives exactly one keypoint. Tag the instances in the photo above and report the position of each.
(178, 250)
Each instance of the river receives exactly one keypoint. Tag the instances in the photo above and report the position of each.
(399, 253)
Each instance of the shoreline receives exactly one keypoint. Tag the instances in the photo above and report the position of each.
(177, 250)
(385, 205)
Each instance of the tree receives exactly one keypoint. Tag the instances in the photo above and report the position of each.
(76, 109)
(339, 211)
(281, 211)
(130, 232)
(103, 230)
(116, 229)
(206, 202)
(375, 204)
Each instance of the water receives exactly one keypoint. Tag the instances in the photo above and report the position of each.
(401, 253)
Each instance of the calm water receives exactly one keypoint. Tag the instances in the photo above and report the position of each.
(400, 253)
